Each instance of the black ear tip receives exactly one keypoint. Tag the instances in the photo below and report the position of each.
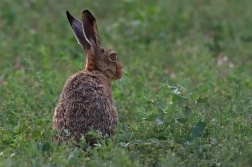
(86, 11)
(88, 15)
(69, 17)
(68, 14)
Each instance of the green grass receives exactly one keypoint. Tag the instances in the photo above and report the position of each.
(185, 99)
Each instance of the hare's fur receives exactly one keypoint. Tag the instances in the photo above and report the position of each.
(86, 101)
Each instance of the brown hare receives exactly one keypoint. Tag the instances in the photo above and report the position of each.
(86, 100)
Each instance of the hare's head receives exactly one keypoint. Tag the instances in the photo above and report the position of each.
(98, 58)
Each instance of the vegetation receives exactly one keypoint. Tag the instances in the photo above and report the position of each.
(185, 99)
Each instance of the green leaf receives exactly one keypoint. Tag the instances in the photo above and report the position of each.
(173, 106)
(187, 140)
(187, 111)
(149, 101)
(202, 100)
(46, 147)
(35, 133)
(174, 90)
(162, 137)
(176, 97)
(8, 162)
(151, 117)
(193, 96)
(198, 129)
(181, 120)
(186, 83)
(161, 107)
(72, 159)
(123, 144)
(8, 150)
(159, 121)
(138, 141)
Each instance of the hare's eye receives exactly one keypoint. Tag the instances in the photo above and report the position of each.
(113, 56)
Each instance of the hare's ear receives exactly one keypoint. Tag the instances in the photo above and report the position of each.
(90, 29)
(78, 31)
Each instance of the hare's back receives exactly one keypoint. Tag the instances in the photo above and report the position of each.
(87, 105)
(85, 89)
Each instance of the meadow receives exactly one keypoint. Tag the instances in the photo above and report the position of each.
(185, 98)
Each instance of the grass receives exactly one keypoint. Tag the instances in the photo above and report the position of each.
(185, 99)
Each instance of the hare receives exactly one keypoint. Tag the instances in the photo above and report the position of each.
(86, 100)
